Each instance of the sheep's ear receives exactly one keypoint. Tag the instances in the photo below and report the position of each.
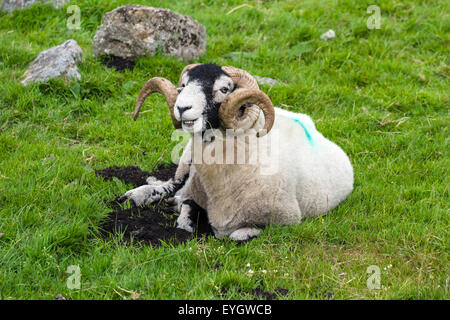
(234, 87)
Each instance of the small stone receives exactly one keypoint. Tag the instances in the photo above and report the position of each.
(330, 34)
(59, 297)
(266, 81)
(56, 62)
(136, 232)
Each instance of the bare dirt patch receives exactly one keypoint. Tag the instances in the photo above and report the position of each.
(259, 293)
(154, 224)
(120, 64)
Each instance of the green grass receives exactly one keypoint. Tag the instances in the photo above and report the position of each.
(382, 95)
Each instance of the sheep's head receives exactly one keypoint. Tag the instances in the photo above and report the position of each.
(209, 96)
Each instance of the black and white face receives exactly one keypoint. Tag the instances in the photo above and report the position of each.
(203, 89)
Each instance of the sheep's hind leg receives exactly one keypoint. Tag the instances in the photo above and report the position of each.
(244, 234)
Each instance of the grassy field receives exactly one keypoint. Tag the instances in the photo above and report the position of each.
(381, 94)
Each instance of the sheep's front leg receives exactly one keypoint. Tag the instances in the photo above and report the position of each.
(155, 189)
(185, 220)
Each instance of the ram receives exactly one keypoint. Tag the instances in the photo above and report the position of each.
(219, 105)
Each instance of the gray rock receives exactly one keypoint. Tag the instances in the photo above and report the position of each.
(11, 5)
(56, 62)
(132, 31)
(266, 81)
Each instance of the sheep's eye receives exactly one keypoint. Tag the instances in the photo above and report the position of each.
(224, 90)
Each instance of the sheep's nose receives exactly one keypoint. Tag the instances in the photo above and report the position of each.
(181, 110)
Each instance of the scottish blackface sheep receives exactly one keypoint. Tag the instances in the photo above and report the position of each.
(289, 169)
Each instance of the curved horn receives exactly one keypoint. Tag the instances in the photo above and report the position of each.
(186, 69)
(241, 78)
(230, 106)
(163, 86)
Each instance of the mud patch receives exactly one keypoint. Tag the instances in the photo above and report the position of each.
(135, 176)
(259, 293)
(120, 64)
(154, 224)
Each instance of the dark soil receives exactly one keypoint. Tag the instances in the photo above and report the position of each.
(149, 225)
(261, 294)
(120, 64)
(135, 176)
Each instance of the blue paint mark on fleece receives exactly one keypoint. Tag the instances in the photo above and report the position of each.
(308, 135)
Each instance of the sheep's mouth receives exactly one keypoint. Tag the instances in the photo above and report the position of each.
(188, 123)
